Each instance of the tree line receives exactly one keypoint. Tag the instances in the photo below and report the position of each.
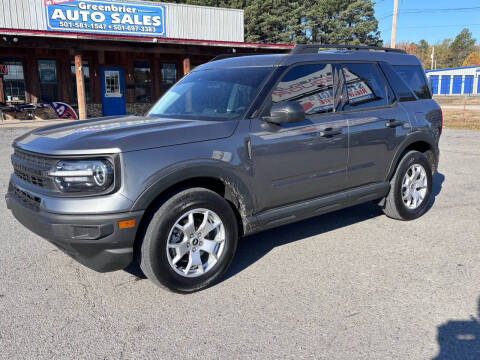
(302, 21)
(460, 51)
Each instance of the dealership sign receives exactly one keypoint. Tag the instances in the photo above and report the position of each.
(105, 17)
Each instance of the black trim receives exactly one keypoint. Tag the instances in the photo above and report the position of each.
(93, 240)
(314, 48)
(309, 208)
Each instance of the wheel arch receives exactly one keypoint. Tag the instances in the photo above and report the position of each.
(217, 179)
(419, 142)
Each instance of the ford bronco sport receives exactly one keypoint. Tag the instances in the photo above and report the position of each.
(239, 145)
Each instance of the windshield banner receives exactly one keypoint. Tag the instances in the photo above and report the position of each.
(105, 17)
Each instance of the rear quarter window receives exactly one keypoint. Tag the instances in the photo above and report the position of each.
(414, 76)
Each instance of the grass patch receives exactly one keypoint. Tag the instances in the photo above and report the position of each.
(460, 119)
(458, 100)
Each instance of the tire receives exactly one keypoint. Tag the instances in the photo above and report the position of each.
(158, 261)
(395, 207)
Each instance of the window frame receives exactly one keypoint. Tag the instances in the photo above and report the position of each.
(40, 83)
(383, 79)
(140, 85)
(267, 103)
(19, 60)
(88, 87)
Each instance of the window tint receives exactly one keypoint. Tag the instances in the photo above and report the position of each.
(221, 94)
(47, 70)
(143, 82)
(311, 85)
(86, 79)
(169, 75)
(365, 86)
(402, 90)
(415, 78)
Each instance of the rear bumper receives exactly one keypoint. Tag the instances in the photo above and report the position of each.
(93, 240)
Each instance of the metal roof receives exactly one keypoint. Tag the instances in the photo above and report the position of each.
(182, 21)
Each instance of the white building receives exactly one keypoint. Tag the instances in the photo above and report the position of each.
(455, 81)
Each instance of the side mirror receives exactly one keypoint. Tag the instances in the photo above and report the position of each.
(286, 112)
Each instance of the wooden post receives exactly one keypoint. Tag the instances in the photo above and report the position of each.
(186, 66)
(82, 103)
(2, 99)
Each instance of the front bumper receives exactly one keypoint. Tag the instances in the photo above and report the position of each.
(93, 240)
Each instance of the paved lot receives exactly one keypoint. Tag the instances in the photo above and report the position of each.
(348, 285)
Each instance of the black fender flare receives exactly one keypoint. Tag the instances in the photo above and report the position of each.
(409, 140)
(236, 191)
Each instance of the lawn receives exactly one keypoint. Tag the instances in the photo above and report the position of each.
(460, 119)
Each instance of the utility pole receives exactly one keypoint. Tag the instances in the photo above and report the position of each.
(394, 23)
(432, 57)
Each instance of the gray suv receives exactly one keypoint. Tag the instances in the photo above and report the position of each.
(240, 145)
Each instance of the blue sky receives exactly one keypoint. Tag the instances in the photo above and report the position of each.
(425, 19)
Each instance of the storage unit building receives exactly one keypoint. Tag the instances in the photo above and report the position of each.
(455, 81)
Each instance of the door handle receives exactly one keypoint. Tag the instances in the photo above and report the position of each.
(330, 132)
(394, 123)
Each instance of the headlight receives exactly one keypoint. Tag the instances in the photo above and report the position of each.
(83, 175)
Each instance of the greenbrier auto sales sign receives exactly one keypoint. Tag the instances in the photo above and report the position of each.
(105, 17)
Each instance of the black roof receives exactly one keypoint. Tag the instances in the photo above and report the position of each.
(305, 53)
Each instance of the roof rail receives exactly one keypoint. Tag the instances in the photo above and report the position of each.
(314, 48)
(231, 55)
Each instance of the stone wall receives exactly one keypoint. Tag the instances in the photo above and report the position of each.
(95, 110)
(138, 108)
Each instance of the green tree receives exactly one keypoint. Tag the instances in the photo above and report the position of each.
(302, 21)
(460, 48)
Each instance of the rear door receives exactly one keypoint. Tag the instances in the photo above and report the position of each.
(377, 123)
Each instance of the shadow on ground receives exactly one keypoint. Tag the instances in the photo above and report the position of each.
(253, 248)
(460, 339)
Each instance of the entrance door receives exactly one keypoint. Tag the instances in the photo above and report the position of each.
(113, 91)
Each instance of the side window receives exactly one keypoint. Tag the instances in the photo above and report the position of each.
(311, 85)
(414, 76)
(401, 88)
(365, 86)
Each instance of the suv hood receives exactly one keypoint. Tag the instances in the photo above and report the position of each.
(121, 134)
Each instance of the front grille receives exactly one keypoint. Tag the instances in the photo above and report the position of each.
(33, 168)
(28, 200)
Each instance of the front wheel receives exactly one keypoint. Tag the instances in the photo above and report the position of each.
(410, 188)
(190, 241)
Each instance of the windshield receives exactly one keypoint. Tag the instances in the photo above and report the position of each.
(223, 94)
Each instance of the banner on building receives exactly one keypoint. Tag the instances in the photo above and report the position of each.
(3, 69)
(105, 17)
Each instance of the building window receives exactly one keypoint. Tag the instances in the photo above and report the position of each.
(112, 84)
(169, 75)
(47, 70)
(14, 81)
(86, 76)
(143, 82)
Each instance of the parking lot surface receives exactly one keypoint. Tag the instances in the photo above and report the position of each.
(348, 285)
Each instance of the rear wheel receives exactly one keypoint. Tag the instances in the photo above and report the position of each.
(410, 188)
(190, 241)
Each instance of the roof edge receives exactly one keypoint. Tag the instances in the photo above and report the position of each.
(145, 39)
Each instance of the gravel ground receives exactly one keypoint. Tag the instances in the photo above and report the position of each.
(348, 285)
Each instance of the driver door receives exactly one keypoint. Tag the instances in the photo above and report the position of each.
(305, 160)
